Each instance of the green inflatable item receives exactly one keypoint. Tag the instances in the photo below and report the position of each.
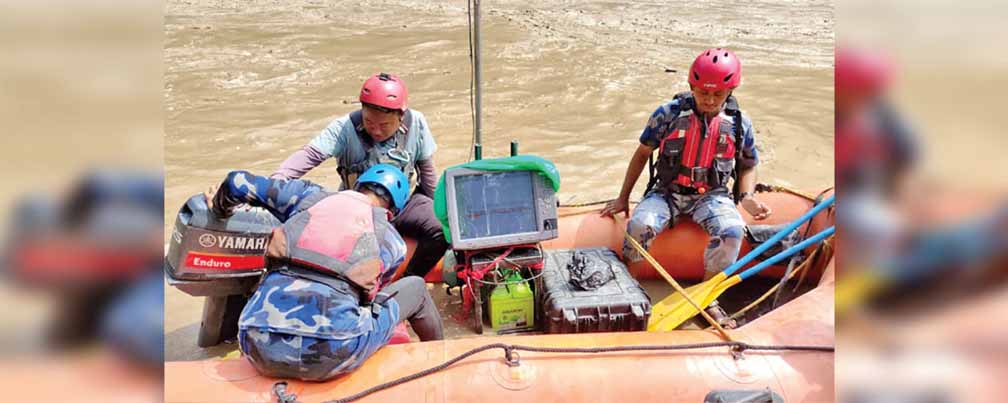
(517, 163)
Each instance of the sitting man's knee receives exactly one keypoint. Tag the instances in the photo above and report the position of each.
(640, 223)
(727, 237)
(413, 282)
(643, 230)
(734, 232)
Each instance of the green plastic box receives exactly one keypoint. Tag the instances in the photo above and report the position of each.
(512, 306)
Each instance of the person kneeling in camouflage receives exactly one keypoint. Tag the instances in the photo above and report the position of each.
(325, 305)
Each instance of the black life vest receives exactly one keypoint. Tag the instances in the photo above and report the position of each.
(361, 153)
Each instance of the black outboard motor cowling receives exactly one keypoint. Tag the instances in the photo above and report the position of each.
(221, 259)
(205, 247)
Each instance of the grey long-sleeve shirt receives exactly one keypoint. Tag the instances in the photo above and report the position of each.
(309, 157)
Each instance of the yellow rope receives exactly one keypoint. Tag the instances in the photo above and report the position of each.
(778, 188)
(827, 248)
(562, 215)
(675, 284)
(761, 188)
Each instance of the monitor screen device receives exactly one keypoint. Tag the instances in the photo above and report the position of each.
(489, 209)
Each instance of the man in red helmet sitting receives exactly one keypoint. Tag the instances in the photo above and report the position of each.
(383, 130)
(705, 143)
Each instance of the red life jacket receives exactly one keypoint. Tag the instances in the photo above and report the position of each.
(863, 153)
(695, 158)
(859, 142)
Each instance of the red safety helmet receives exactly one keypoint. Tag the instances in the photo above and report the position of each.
(716, 69)
(860, 71)
(384, 91)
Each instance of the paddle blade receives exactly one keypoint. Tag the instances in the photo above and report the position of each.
(720, 289)
(682, 310)
(672, 311)
(853, 290)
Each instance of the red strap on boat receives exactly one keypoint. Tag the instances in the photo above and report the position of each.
(479, 274)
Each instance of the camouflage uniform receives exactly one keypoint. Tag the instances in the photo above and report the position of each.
(298, 328)
(713, 210)
(307, 327)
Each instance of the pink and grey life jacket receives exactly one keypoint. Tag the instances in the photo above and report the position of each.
(339, 236)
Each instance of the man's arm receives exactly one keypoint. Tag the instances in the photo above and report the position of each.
(299, 163)
(649, 141)
(393, 253)
(748, 158)
(746, 166)
(426, 172)
(328, 143)
(634, 169)
(637, 163)
(280, 196)
(747, 180)
(427, 176)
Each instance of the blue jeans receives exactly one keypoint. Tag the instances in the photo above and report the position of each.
(714, 211)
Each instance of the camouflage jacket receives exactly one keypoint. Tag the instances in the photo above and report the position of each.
(291, 304)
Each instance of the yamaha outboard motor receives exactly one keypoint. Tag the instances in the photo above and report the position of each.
(221, 259)
(89, 251)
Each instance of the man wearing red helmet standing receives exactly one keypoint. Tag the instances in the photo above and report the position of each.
(705, 143)
(385, 131)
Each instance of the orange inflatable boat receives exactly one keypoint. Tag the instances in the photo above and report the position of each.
(678, 366)
(680, 250)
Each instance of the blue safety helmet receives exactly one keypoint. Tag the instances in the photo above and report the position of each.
(393, 184)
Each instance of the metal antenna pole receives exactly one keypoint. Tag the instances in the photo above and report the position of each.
(478, 79)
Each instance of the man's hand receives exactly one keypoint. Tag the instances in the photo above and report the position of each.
(615, 207)
(756, 208)
(209, 196)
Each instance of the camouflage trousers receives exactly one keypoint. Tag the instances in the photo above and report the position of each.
(285, 355)
(714, 211)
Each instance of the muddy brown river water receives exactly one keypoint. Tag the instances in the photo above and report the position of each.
(249, 82)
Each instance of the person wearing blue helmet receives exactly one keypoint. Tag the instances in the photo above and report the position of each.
(388, 182)
(326, 302)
